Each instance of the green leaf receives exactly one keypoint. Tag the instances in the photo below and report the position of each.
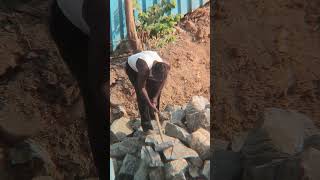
(157, 24)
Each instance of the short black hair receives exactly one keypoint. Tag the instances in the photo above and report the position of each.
(160, 70)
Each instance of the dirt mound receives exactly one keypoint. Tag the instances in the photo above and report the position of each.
(267, 56)
(190, 66)
(34, 77)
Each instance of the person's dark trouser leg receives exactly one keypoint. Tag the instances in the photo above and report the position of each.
(73, 47)
(132, 75)
(142, 104)
(144, 110)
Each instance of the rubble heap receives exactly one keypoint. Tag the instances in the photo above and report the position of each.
(284, 146)
(139, 157)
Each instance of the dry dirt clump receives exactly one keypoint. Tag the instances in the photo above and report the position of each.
(267, 55)
(189, 57)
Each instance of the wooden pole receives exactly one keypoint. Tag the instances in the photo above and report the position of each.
(131, 27)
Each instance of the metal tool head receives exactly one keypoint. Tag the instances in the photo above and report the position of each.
(162, 146)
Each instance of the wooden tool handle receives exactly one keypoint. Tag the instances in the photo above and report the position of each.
(159, 125)
(160, 130)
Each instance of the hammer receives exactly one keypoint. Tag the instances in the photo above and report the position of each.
(163, 145)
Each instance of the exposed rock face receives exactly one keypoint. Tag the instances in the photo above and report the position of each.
(310, 162)
(163, 146)
(238, 141)
(164, 116)
(129, 167)
(114, 167)
(118, 112)
(19, 119)
(198, 114)
(150, 157)
(206, 169)
(285, 129)
(195, 161)
(200, 141)
(259, 149)
(175, 169)
(130, 145)
(135, 124)
(156, 139)
(142, 172)
(177, 132)
(176, 157)
(121, 128)
(179, 151)
(113, 138)
(271, 151)
(176, 115)
(194, 172)
(157, 173)
(285, 169)
(275, 150)
(30, 159)
(197, 104)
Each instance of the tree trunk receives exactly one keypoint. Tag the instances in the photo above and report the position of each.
(131, 27)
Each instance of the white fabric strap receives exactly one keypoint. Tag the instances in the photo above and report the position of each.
(72, 9)
(148, 56)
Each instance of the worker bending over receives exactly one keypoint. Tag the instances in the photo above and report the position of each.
(148, 73)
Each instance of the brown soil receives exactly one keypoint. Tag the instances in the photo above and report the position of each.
(267, 55)
(190, 66)
(34, 77)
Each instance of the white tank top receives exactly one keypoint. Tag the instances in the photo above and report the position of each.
(72, 9)
(148, 56)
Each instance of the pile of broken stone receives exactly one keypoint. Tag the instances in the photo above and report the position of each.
(139, 157)
(284, 146)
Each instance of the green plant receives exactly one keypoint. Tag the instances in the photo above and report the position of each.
(157, 23)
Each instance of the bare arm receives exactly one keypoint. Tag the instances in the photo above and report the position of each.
(154, 100)
(159, 91)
